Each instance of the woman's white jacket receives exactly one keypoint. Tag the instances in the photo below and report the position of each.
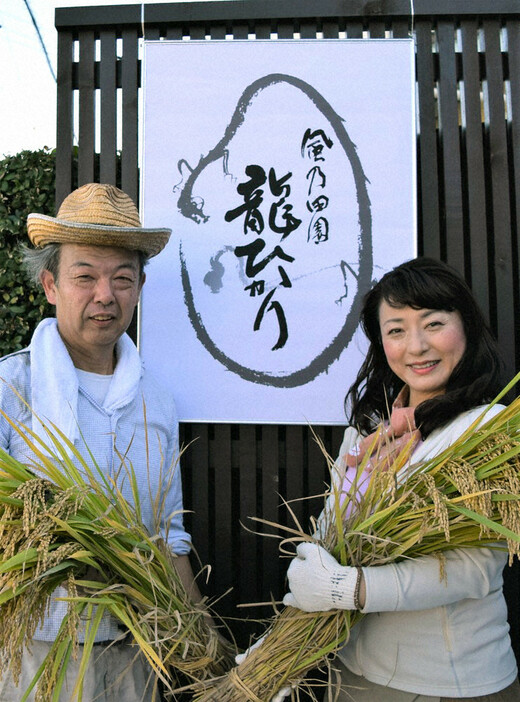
(428, 634)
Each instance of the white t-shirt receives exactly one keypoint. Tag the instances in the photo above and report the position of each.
(95, 384)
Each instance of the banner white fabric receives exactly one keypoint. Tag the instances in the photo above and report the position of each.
(286, 170)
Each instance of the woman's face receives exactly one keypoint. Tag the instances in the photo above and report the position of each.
(422, 347)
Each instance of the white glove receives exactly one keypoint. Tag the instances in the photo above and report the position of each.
(317, 582)
(240, 657)
(281, 694)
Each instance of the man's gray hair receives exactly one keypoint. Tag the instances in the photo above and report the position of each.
(38, 260)
(48, 259)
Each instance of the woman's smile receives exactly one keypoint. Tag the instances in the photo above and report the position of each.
(422, 347)
(424, 367)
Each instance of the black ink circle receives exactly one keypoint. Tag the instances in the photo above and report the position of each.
(332, 352)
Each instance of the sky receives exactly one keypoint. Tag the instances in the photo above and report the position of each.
(27, 78)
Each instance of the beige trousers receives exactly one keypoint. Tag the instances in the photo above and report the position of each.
(357, 689)
(115, 673)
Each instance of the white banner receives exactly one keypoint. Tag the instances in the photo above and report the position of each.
(286, 170)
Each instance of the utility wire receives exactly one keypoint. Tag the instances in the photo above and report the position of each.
(35, 23)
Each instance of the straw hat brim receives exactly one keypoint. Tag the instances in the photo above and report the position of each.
(43, 230)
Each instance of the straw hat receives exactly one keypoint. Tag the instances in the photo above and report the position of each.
(98, 215)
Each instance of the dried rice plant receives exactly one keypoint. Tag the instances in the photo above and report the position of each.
(468, 496)
(62, 520)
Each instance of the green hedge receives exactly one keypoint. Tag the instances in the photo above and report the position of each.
(26, 185)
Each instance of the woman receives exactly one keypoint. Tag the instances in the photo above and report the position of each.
(433, 361)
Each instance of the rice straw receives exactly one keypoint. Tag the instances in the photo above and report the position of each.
(59, 520)
(466, 497)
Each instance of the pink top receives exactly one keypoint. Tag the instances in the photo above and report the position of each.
(384, 444)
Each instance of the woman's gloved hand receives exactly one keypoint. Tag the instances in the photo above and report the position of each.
(317, 582)
(240, 657)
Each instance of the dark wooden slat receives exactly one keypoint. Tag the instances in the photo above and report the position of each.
(317, 475)
(197, 482)
(330, 28)
(249, 589)
(86, 108)
(96, 16)
(294, 485)
(224, 517)
(465, 7)
(512, 595)
(354, 29)
(499, 177)
(197, 31)
(475, 173)
(270, 508)
(174, 33)
(108, 96)
(449, 131)
(152, 33)
(513, 34)
(428, 162)
(129, 83)
(262, 9)
(218, 31)
(308, 29)
(262, 30)
(240, 30)
(376, 29)
(187, 470)
(285, 29)
(64, 127)
(512, 575)
(400, 29)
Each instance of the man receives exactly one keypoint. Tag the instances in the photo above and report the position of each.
(83, 373)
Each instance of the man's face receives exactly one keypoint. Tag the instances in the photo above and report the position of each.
(95, 296)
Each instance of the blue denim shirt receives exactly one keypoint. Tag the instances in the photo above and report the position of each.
(121, 431)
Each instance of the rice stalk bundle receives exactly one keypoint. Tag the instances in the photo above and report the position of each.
(60, 522)
(467, 496)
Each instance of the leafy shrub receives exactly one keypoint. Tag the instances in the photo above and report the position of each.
(26, 185)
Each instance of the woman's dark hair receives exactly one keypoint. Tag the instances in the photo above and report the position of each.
(424, 283)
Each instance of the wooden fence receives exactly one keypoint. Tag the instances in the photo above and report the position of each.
(468, 194)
